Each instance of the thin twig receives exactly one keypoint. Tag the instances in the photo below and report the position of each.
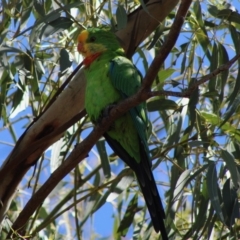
(213, 74)
(199, 82)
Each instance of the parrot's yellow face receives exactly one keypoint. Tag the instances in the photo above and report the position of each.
(88, 44)
(82, 37)
(94, 42)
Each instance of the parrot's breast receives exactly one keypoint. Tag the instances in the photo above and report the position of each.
(100, 92)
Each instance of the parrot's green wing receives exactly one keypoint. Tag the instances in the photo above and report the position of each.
(127, 79)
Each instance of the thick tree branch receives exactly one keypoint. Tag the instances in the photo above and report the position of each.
(141, 23)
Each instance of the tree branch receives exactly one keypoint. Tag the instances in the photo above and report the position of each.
(199, 82)
(213, 74)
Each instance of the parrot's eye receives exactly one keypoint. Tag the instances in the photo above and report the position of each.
(92, 39)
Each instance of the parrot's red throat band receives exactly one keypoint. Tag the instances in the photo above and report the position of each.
(88, 60)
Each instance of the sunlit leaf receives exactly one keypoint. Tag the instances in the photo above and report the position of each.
(161, 104)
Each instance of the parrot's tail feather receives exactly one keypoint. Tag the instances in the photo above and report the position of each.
(152, 199)
(147, 183)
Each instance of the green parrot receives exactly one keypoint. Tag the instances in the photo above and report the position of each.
(111, 77)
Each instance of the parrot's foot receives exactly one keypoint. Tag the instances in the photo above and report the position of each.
(105, 112)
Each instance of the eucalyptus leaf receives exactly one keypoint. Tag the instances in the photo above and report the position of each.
(212, 186)
(121, 16)
(232, 167)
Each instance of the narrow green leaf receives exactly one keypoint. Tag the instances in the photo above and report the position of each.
(213, 66)
(212, 94)
(165, 73)
(39, 66)
(171, 133)
(216, 121)
(211, 117)
(234, 148)
(200, 30)
(202, 213)
(232, 167)
(43, 213)
(157, 104)
(157, 34)
(181, 183)
(3, 91)
(212, 186)
(25, 14)
(53, 15)
(231, 109)
(236, 39)
(43, 55)
(17, 97)
(198, 13)
(184, 48)
(32, 75)
(196, 143)
(222, 78)
(229, 198)
(64, 60)
(213, 10)
(104, 158)
(226, 14)
(56, 26)
(7, 49)
(194, 99)
(39, 7)
(121, 16)
(116, 235)
(20, 101)
(128, 217)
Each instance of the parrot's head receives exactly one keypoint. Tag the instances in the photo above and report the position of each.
(95, 41)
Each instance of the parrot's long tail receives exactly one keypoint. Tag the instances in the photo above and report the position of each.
(152, 198)
(147, 183)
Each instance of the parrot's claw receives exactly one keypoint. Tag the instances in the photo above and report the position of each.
(105, 112)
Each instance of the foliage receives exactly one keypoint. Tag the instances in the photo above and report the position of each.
(194, 141)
